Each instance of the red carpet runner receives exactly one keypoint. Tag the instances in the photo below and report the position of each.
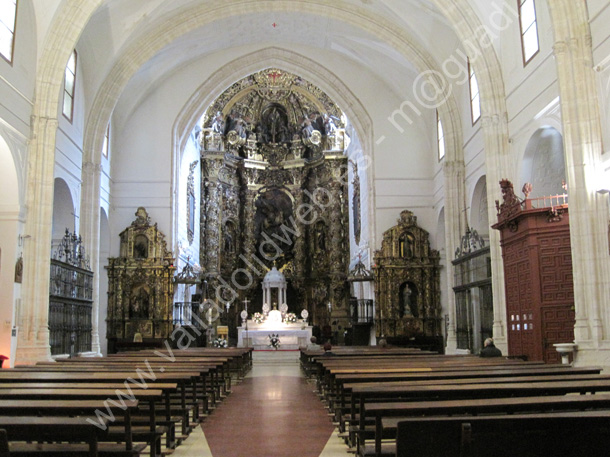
(269, 417)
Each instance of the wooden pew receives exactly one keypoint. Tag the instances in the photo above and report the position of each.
(388, 415)
(214, 370)
(3, 444)
(472, 391)
(565, 434)
(73, 408)
(340, 382)
(151, 396)
(467, 378)
(177, 385)
(240, 358)
(21, 431)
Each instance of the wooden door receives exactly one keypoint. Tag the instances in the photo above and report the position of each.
(557, 327)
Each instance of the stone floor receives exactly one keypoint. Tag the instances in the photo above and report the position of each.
(258, 419)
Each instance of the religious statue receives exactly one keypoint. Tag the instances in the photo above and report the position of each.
(218, 123)
(229, 238)
(406, 246)
(408, 302)
(320, 237)
(329, 125)
(140, 247)
(274, 210)
(307, 129)
(19, 270)
(140, 302)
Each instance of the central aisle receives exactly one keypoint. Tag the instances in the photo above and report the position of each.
(272, 413)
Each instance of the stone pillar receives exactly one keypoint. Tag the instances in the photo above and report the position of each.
(455, 227)
(90, 232)
(499, 165)
(583, 150)
(33, 339)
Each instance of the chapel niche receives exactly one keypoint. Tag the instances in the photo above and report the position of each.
(140, 288)
(274, 193)
(407, 289)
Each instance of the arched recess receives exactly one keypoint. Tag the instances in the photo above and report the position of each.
(479, 216)
(69, 22)
(63, 210)
(9, 245)
(289, 61)
(543, 163)
(163, 32)
(475, 39)
(103, 275)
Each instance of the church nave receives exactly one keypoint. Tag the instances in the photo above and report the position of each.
(273, 412)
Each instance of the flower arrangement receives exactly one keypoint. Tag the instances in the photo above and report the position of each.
(274, 341)
(258, 318)
(290, 318)
(220, 343)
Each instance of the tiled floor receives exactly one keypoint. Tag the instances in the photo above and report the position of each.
(258, 419)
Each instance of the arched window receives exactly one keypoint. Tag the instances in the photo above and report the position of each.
(69, 85)
(8, 21)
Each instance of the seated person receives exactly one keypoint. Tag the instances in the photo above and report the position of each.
(313, 345)
(489, 349)
(328, 349)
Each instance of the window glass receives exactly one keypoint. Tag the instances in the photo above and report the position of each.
(8, 14)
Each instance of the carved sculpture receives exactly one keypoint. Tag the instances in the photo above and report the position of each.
(140, 286)
(273, 192)
(407, 276)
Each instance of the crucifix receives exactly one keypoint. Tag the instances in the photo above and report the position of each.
(245, 302)
(274, 75)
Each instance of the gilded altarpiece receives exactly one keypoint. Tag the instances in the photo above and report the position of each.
(407, 283)
(274, 192)
(140, 286)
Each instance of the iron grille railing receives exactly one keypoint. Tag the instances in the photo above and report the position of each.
(70, 298)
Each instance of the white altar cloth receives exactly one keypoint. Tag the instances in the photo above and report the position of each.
(291, 336)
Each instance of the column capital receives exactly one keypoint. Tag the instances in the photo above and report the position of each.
(92, 167)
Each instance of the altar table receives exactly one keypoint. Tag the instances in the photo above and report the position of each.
(258, 338)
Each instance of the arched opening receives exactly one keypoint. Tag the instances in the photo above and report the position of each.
(274, 183)
(479, 218)
(63, 211)
(10, 247)
(543, 163)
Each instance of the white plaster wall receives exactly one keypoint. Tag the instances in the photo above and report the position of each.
(69, 140)
(141, 165)
(9, 246)
(63, 211)
(17, 80)
(599, 17)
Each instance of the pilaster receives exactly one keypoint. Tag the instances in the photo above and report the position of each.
(33, 337)
(583, 149)
(455, 227)
(90, 232)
